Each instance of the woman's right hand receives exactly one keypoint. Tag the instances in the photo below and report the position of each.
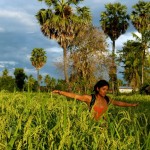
(56, 91)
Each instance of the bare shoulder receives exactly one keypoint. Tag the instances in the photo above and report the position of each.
(88, 98)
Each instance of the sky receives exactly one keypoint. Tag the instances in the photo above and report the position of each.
(20, 33)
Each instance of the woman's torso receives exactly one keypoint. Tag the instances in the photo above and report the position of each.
(99, 107)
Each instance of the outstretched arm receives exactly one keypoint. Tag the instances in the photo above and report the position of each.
(84, 98)
(123, 104)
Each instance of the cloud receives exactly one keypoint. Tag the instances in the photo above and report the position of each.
(18, 17)
(97, 3)
(12, 63)
(20, 34)
(30, 71)
(54, 50)
(125, 37)
(9, 65)
(2, 29)
(2, 66)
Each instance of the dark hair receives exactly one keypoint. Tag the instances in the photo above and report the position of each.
(100, 84)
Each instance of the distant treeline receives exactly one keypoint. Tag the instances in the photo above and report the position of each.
(23, 83)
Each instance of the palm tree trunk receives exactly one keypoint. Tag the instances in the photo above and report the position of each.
(65, 64)
(143, 64)
(113, 53)
(143, 58)
(38, 80)
(28, 87)
(114, 72)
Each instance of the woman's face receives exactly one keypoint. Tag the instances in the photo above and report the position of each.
(103, 90)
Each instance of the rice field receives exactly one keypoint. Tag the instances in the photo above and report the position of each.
(42, 121)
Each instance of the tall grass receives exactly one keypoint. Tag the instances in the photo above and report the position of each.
(38, 121)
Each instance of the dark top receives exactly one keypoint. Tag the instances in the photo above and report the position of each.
(94, 98)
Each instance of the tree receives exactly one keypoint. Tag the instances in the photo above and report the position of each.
(5, 73)
(7, 82)
(20, 78)
(147, 70)
(40, 78)
(88, 58)
(114, 22)
(38, 60)
(120, 82)
(47, 80)
(30, 83)
(140, 18)
(52, 84)
(130, 56)
(61, 84)
(62, 21)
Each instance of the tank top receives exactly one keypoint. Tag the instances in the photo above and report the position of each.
(94, 98)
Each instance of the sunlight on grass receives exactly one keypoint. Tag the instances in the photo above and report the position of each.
(45, 121)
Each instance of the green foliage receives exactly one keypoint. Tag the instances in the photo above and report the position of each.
(7, 83)
(50, 83)
(38, 60)
(42, 121)
(62, 21)
(5, 73)
(140, 16)
(31, 84)
(130, 56)
(61, 85)
(114, 20)
(19, 78)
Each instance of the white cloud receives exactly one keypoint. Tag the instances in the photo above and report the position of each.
(54, 50)
(19, 16)
(34, 72)
(28, 57)
(2, 66)
(30, 71)
(10, 71)
(96, 4)
(102, 2)
(125, 37)
(13, 63)
(2, 29)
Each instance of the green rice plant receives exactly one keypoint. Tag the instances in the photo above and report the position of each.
(42, 121)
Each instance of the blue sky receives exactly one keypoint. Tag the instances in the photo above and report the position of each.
(20, 33)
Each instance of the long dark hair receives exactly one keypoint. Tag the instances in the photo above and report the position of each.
(100, 84)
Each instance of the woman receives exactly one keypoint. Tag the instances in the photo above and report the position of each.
(97, 103)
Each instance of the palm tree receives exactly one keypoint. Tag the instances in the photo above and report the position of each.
(5, 73)
(47, 80)
(140, 18)
(114, 22)
(52, 83)
(30, 83)
(130, 57)
(40, 78)
(62, 21)
(38, 60)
